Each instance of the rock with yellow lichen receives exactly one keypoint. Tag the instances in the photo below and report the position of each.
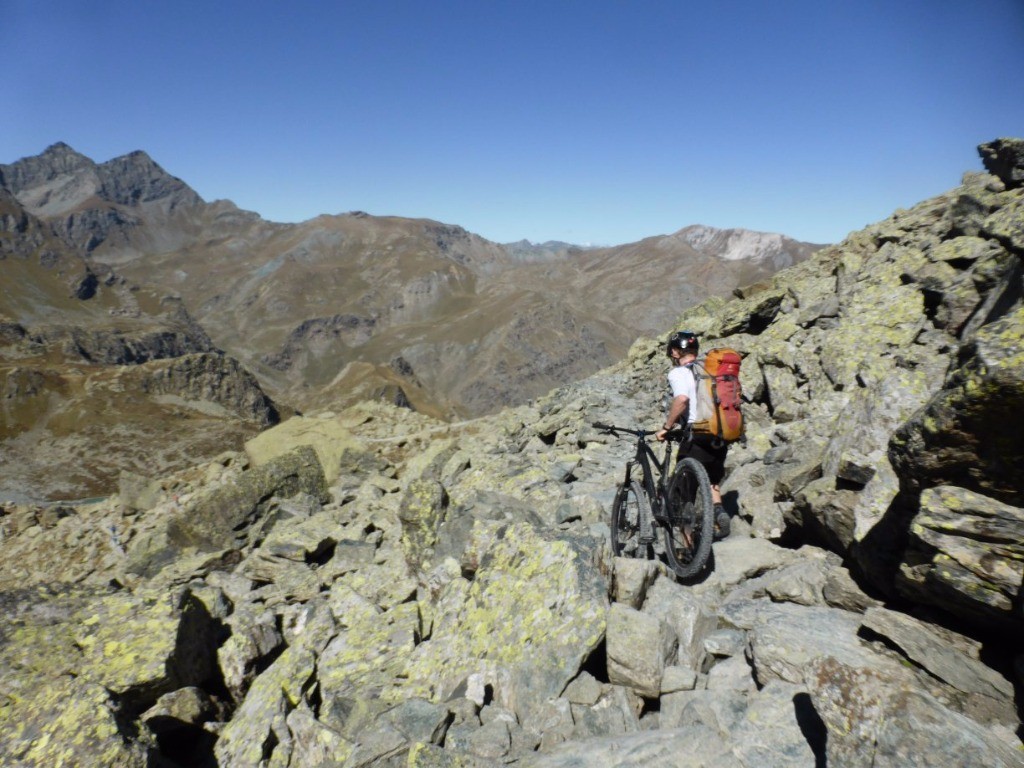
(76, 676)
(535, 610)
(967, 435)
(966, 554)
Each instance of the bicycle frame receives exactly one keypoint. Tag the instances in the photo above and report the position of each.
(646, 458)
(648, 462)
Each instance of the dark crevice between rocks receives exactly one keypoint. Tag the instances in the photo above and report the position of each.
(596, 664)
(314, 697)
(792, 537)
(812, 727)
(879, 554)
(269, 745)
(961, 265)
(189, 744)
(766, 396)
(649, 705)
(183, 744)
(549, 438)
(932, 302)
(322, 554)
(845, 484)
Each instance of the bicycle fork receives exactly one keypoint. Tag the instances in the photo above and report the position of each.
(646, 532)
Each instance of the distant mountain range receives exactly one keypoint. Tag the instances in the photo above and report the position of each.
(120, 263)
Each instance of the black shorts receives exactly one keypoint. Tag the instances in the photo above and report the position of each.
(700, 447)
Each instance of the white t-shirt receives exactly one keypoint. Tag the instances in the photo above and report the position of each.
(681, 380)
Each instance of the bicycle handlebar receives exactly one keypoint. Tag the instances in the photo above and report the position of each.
(675, 431)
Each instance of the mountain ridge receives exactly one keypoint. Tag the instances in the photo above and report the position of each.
(346, 307)
(160, 231)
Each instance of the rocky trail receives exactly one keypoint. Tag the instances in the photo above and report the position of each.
(374, 588)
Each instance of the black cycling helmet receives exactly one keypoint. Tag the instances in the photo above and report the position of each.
(685, 341)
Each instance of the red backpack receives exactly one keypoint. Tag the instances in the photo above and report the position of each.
(718, 395)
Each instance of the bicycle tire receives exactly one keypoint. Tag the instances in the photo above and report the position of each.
(629, 505)
(691, 519)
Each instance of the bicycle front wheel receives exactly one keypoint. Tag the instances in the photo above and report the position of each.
(691, 519)
(629, 506)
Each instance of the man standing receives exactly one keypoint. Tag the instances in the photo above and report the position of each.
(682, 348)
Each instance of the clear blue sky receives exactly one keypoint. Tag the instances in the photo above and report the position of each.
(593, 122)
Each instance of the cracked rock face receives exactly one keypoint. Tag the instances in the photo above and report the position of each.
(372, 587)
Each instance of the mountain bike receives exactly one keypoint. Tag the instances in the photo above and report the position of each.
(679, 504)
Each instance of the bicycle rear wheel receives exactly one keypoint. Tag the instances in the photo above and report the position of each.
(630, 503)
(691, 522)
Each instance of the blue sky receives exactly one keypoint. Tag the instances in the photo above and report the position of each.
(592, 122)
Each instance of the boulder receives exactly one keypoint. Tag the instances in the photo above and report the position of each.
(960, 437)
(639, 646)
(535, 610)
(689, 747)
(329, 437)
(221, 518)
(67, 721)
(933, 651)
(1005, 159)
(966, 555)
(874, 720)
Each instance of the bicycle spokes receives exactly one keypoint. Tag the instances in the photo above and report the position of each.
(690, 519)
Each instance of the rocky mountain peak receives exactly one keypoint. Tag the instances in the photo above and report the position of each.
(56, 161)
(136, 178)
(733, 244)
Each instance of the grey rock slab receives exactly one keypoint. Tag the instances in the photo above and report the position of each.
(966, 555)
(725, 642)
(737, 560)
(585, 689)
(553, 723)
(801, 583)
(632, 579)
(222, 517)
(616, 712)
(732, 674)
(719, 709)
(174, 710)
(785, 638)
(926, 648)
(261, 717)
(491, 741)
(66, 721)
(313, 743)
(690, 747)
(535, 610)
(779, 729)
(639, 647)
(875, 720)
(687, 614)
(678, 679)
(419, 720)
(841, 591)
